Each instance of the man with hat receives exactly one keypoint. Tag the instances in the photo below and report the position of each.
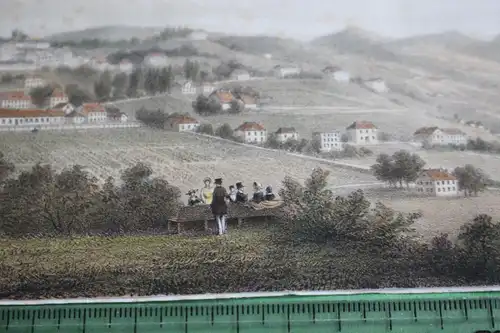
(241, 196)
(219, 205)
(206, 191)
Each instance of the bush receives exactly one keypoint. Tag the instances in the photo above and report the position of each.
(206, 129)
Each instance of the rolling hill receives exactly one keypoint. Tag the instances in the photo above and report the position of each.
(110, 33)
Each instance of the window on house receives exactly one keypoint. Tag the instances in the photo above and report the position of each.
(449, 189)
(454, 189)
(439, 189)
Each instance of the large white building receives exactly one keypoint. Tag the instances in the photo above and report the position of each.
(155, 60)
(283, 72)
(15, 100)
(362, 133)
(240, 75)
(182, 124)
(377, 85)
(34, 81)
(188, 88)
(329, 141)
(283, 134)
(437, 182)
(251, 132)
(30, 117)
(435, 136)
(57, 97)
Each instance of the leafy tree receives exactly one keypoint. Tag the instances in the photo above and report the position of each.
(344, 138)
(206, 106)
(103, 87)
(471, 180)
(40, 95)
(154, 118)
(133, 82)
(272, 142)
(165, 79)
(407, 166)
(225, 131)
(191, 70)
(237, 106)
(481, 244)
(6, 168)
(76, 95)
(384, 169)
(119, 84)
(206, 129)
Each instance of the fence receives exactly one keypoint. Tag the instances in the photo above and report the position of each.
(27, 128)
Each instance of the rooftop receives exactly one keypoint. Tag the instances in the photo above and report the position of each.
(250, 126)
(362, 125)
(438, 174)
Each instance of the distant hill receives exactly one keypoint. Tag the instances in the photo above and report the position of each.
(452, 40)
(356, 41)
(109, 33)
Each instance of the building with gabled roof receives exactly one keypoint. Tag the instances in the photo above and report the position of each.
(437, 182)
(362, 133)
(182, 123)
(224, 97)
(240, 75)
(15, 100)
(435, 136)
(251, 132)
(284, 134)
(329, 141)
(30, 117)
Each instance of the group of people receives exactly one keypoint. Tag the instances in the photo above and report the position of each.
(218, 198)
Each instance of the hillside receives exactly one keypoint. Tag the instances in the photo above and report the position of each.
(110, 33)
(452, 40)
(356, 41)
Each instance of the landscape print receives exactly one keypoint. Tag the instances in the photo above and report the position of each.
(149, 155)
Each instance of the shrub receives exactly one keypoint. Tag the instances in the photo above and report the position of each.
(206, 129)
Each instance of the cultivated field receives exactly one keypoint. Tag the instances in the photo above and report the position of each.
(182, 159)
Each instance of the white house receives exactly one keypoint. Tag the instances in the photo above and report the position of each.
(93, 112)
(362, 132)
(377, 85)
(251, 132)
(182, 124)
(198, 35)
(207, 89)
(30, 117)
(224, 97)
(57, 97)
(156, 60)
(282, 72)
(188, 88)
(249, 101)
(435, 136)
(15, 100)
(329, 141)
(67, 108)
(34, 82)
(126, 66)
(240, 75)
(116, 115)
(283, 134)
(437, 182)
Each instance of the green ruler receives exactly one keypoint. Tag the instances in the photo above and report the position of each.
(408, 311)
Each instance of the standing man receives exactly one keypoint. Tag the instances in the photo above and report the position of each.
(219, 205)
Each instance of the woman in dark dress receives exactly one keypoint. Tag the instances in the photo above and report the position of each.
(219, 205)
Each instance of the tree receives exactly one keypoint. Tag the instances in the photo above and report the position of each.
(103, 87)
(76, 95)
(40, 95)
(344, 138)
(165, 79)
(133, 82)
(471, 180)
(191, 70)
(206, 106)
(237, 106)
(152, 81)
(119, 84)
(407, 166)
(383, 170)
(18, 35)
(206, 129)
(225, 131)
(6, 168)
(481, 245)
(273, 142)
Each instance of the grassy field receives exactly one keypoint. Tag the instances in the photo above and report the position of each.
(182, 159)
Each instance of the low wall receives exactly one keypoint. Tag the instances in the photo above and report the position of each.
(23, 128)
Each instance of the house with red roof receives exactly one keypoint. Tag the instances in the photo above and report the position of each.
(15, 100)
(437, 182)
(362, 133)
(182, 123)
(224, 97)
(251, 132)
(30, 117)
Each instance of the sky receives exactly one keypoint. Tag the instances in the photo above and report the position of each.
(302, 19)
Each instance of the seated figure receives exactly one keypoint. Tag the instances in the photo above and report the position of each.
(241, 196)
(258, 194)
(193, 198)
(269, 194)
